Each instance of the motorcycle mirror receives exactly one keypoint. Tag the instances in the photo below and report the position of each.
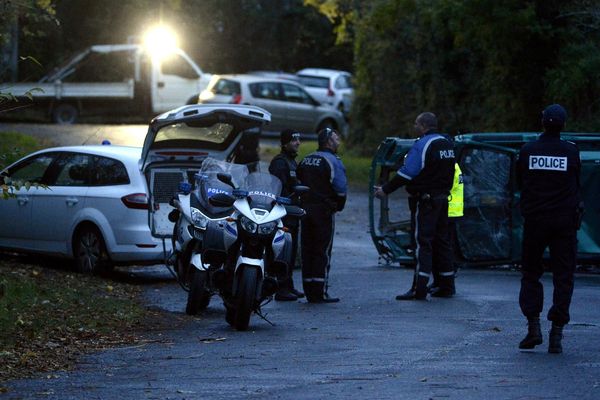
(225, 178)
(295, 211)
(221, 200)
(301, 189)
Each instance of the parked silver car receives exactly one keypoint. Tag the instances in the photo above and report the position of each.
(288, 102)
(94, 209)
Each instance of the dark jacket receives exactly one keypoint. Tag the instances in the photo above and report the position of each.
(548, 176)
(428, 167)
(284, 167)
(324, 173)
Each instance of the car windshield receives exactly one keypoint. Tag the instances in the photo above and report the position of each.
(314, 81)
(263, 189)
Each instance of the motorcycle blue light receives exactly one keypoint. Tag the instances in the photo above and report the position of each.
(185, 187)
(286, 201)
(240, 193)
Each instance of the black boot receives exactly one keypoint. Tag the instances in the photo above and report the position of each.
(418, 290)
(534, 334)
(445, 288)
(555, 339)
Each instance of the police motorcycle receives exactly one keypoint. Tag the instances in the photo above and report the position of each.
(198, 262)
(258, 244)
(177, 150)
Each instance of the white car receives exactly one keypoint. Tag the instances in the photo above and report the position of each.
(94, 209)
(329, 86)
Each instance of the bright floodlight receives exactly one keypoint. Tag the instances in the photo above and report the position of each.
(160, 41)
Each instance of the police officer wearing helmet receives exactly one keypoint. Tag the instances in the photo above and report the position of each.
(324, 173)
(548, 175)
(428, 173)
(284, 167)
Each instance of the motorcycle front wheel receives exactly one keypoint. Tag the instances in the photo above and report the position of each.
(246, 297)
(198, 296)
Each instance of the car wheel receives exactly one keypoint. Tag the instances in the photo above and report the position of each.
(90, 251)
(65, 114)
(328, 123)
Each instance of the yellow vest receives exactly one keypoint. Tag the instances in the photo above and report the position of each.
(455, 200)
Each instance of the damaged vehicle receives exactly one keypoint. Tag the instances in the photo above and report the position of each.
(490, 231)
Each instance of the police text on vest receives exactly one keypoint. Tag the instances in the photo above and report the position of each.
(548, 163)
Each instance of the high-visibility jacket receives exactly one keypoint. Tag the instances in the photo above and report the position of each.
(455, 200)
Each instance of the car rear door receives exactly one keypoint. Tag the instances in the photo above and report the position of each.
(302, 113)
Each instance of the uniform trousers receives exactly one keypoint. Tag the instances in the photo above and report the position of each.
(317, 229)
(559, 234)
(432, 241)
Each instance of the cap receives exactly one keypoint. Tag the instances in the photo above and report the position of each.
(288, 135)
(324, 136)
(554, 114)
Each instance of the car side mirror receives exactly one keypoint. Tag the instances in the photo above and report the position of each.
(225, 178)
(221, 200)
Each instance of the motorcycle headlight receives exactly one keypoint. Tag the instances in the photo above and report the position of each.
(248, 225)
(268, 228)
(198, 218)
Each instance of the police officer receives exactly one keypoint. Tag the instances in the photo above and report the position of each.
(284, 167)
(548, 176)
(324, 173)
(427, 172)
(455, 211)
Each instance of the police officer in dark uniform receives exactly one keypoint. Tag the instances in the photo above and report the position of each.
(428, 172)
(548, 176)
(324, 173)
(284, 167)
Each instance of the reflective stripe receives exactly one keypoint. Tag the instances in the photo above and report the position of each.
(451, 273)
(314, 279)
(421, 273)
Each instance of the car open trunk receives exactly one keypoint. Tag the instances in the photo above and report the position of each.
(490, 231)
(179, 141)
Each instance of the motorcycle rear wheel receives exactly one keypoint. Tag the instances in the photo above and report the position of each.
(198, 296)
(246, 297)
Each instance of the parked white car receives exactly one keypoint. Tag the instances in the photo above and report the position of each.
(289, 104)
(94, 209)
(329, 86)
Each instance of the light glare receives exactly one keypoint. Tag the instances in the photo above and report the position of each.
(160, 41)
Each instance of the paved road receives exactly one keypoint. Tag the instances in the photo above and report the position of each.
(368, 346)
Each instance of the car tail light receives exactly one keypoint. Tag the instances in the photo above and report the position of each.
(330, 92)
(138, 201)
(236, 99)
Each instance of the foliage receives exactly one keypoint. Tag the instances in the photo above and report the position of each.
(480, 65)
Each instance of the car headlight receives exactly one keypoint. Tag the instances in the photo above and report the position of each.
(267, 229)
(198, 218)
(248, 225)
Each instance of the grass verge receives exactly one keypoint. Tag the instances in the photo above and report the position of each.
(49, 317)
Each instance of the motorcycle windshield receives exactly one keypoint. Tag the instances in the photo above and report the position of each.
(263, 189)
(207, 184)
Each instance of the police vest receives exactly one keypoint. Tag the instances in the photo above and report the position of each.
(455, 200)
